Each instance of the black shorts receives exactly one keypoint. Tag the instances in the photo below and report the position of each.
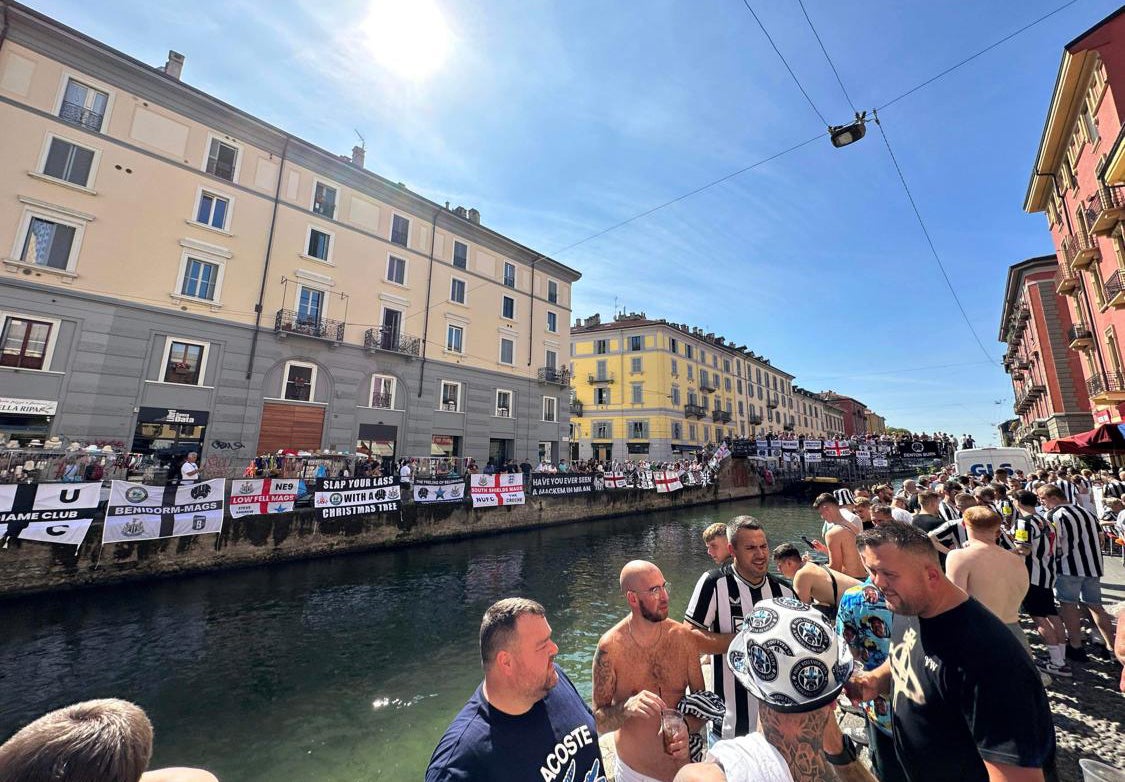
(1039, 601)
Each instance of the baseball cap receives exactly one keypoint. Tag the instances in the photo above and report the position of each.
(789, 657)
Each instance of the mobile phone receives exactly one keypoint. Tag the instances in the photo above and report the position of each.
(808, 542)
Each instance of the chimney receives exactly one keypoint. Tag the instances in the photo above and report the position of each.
(460, 211)
(357, 156)
(474, 216)
(175, 65)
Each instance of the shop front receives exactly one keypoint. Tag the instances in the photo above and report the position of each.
(379, 441)
(167, 431)
(27, 421)
(445, 445)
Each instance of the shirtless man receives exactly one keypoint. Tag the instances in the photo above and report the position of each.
(995, 577)
(813, 582)
(839, 541)
(644, 664)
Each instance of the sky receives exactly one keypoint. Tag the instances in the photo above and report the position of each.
(558, 120)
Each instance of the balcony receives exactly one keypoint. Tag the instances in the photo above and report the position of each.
(1115, 290)
(1066, 281)
(771, 401)
(694, 411)
(606, 377)
(576, 408)
(720, 416)
(1105, 208)
(1080, 251)
(754, 419)
(555, 376)
(289, 322)
(392, 341)
(79, 115)
(708, 386)
(1080, 337)
(1024, 313)
(1017, 375)
(1106, 389)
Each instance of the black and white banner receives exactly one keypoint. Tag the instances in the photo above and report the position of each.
(919, 449)
(879, 461)
(48, 512)
(439, 491)
(561, 483)
(139, 512)
(337, 497)
(789, 445)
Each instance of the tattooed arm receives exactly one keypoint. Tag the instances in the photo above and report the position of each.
(608, 714)
(799, 737)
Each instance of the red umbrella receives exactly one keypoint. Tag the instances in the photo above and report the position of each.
(1107, 438)
(1065, 445)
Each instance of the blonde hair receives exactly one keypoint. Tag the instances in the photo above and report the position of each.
(713, 531)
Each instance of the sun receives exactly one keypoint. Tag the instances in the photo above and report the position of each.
(410, 38)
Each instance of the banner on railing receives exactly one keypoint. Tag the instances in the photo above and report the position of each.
(491, 491)
(338, 497)
(561, 483)
(138, 512)
(666, 481)
(919, 449)
(439, 491)
(812, 445)
(257, 497)
(645, 481)
(789, 445)
(812, 457)
(862, 453)
(878, 461)
(614, 480)
(48, 512)
(837, 448)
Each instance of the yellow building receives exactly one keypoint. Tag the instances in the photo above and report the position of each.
(816, 418)
(876, 424)
(646, 388)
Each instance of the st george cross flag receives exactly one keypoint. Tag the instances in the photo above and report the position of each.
(644, 480)
(667, 481)
(139, 512)
(48, 512)
(490, 491)
(836, 448)
(614, 480)
(257, 497)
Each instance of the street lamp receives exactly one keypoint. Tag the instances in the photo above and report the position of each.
(842, 135)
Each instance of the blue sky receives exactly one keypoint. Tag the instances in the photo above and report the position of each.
(558, 120)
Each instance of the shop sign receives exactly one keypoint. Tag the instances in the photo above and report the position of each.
(168, 415)
(1101, 417)
(27, 406)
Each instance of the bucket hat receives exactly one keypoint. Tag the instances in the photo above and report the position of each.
(789, 657)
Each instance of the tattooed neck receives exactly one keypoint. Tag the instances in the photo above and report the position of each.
(799, 737)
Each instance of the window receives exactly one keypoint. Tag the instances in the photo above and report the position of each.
(383, 392)
(688, 351)
(184, 362)
(726, 383)
(551, 359)
(601, 396)
(507, 351)
(1089, 126)
(222, 159)
(636, 343)
(396, 270)
(691, 431)
(550, 408)
(457, 290)
(601, 346)
(310, 306)
(69, 162)
(509, 275)
(400, 230)
(741, 408)
(739, 385)
(324, 200)
(673, 345)
(201, 279)
(603, 430)
(600, 370)
(212, 210)
(677, 430)
(675, 368)
(461, 255)
(83, 105)
(702, 356)
(450, 396)
(48, 243)
(552, 291)
(508, 308)
(638, 391)
(675, 396)
(636, 365)
(300, 379)
(690, 372)
(454, 336)
(638, 430)
(707, 433)
(726, 365)
(319, 245)
(23, 343)
(503, 403)
(552, 322)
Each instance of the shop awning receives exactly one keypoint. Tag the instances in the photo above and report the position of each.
(1107, 438)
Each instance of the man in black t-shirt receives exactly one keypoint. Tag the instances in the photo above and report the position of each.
(967, 701)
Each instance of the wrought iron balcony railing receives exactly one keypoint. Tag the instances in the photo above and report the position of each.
(1104, 383)
(696, 411)
(602, 378)
(80, 115)
(559, 376)
(392, 340)
(291, 322)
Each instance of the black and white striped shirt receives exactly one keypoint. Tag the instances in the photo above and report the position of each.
(1077, 542)
(1114, 489)
(844, 496)
(1069, 490)
(948, 511)
(952, 534)
(720, 600)
(1036, 532)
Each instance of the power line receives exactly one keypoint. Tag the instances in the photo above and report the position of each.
(930, 241)
(785, 62)
(972, 57)
(830, 63)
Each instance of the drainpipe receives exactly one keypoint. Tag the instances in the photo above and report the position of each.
(426, 314)
(530, 380)
(4, 24)
(266, 265)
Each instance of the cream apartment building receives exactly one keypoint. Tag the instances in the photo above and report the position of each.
(176, 272)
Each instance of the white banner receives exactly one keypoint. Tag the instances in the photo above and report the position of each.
(428, 491)
(257, 497)
(666, 481)
(789, 445)
(139, 512)
(812, 457)
(48, 512)
(862, 453)
(490, 491)
(644, 480)
(878, 462)
(812, 445)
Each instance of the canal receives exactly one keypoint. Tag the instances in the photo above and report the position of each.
(337, 669)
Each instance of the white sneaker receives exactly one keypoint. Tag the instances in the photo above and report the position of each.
(1064, 670)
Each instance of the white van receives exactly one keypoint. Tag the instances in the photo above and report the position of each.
(978, 461)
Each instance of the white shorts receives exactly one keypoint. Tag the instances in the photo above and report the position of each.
(622, 773)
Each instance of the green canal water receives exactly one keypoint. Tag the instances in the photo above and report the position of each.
(337, 670)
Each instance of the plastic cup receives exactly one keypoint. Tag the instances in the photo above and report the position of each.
(672, 726)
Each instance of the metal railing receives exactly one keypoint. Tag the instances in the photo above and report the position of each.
(1079, 331)
(708, 386)
(603, 378)
(392, 340)
(1065, 279)
(382, 401)
(576, 408)
(1079, 243)
(1115, 285)
(1107, 199)
(694, 410)
(291, 322)
(80, 115)
(559, 376)
(1102, 383)
(754, 419)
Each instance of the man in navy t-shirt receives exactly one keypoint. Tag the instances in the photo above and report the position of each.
(526, 721)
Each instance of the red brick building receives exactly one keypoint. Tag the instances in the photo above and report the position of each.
(854, 412)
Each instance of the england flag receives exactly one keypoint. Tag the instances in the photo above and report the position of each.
(614, 480)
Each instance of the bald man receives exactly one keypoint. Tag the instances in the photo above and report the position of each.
(646, 663)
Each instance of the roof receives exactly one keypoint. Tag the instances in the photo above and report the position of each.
(1016, 273)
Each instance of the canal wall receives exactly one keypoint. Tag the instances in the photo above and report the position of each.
(28, 567)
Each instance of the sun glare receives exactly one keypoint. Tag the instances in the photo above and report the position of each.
(407, 37)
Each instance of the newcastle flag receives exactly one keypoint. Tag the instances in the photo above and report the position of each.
(490, 491)
(48, 512)
(139, 512)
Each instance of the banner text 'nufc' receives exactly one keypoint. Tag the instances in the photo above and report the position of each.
(490, 491)
(337, 497)
(546, 483)
(451, 490)
(48, 512)
(139, 512)
(257, 497)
